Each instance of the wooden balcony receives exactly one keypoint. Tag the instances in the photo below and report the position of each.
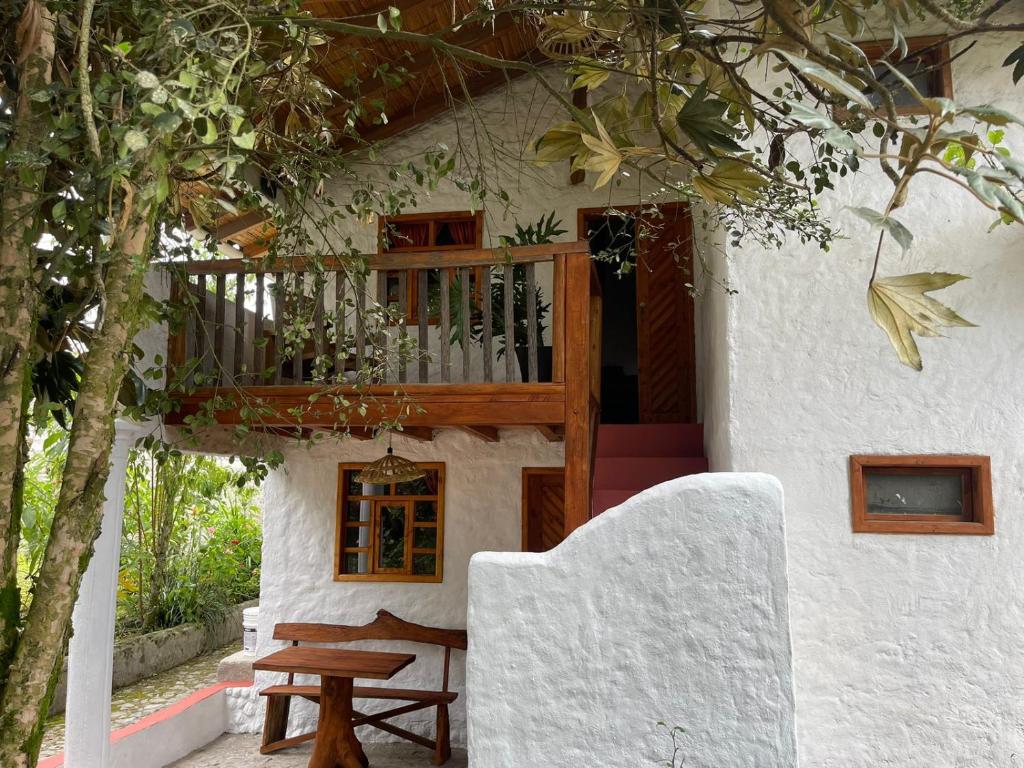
(293, 344)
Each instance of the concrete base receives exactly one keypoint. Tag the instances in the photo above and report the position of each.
(242, 751)
(236, 667)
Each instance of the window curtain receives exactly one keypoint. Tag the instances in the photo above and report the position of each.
(463, 232)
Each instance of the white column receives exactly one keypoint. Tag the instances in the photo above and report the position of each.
(91, 651)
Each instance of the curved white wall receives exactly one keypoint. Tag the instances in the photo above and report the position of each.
(671, 607)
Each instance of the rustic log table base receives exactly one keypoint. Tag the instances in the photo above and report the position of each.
(336, 743)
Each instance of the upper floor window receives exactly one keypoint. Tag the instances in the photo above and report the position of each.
(921, 494)
(926, 65)
(390, 532)
(419, 232)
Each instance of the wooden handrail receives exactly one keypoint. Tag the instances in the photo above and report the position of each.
(525, 254)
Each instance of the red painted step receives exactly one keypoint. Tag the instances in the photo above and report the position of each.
(650, 440)
(644, 471)
(633, 457)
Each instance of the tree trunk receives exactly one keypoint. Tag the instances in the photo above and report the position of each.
(76, 522)
(18, 300)
(167, 484)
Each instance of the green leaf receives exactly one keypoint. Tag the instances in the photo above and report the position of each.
(245, 141)
(559, 143)
(135, 140)
(1016, 59)
(605, 157)
(899, 233)
(900, 307)
(826, 78)
(804, 115)
(728, 181)
(147, 80)
(700, 118)
(992, 115)
(168, 122)
(382, 23)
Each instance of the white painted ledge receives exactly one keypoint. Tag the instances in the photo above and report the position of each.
(671, 607)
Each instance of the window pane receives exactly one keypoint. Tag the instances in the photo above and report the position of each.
(425, 511)
(916, 70)
(391, 546)
(905, 494)
(357, 536)
(424, 565)
(425, 538)
(356, 562)
(424, 486)
(358, 511)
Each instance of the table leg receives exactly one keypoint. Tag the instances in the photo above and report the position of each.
(336, 742)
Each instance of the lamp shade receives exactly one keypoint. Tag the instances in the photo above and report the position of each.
(388, 469)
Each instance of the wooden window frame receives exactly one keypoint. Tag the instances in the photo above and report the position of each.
(342, 524)
(938, 58)
(433, 220)
(976, 471)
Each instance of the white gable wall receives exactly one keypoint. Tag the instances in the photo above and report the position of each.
(908, 649)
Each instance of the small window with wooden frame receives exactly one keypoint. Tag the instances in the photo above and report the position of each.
(922, 494)
(428, 232)
(391, 532)
(926, 65)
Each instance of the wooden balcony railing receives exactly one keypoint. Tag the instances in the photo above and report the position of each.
(435, 322)
(434, 318)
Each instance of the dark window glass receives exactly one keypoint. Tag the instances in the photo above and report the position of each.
(425, 511)
(391, 544)
(424, 565)
(425, 538)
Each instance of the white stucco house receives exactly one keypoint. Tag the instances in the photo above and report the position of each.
(868, 611)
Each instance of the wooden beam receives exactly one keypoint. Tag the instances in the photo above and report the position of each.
(577, 392)
(487, 434)
(553, 433)
(238, 224)
(416, 405)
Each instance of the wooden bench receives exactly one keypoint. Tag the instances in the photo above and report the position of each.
(385, 627)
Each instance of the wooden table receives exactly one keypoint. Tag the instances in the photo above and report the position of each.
(336, 743)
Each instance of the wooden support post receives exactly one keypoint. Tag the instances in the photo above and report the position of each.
(577, 390)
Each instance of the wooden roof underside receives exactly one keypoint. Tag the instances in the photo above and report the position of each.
(432, 83)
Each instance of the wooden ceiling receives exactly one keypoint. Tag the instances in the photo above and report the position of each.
(433, 82)
(430, 81)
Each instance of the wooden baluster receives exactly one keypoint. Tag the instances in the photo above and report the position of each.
(531, 321)
(319, 328)
(360, 321)
(218, 327)
(380, 342)
(488, 329)
(298, 324)
(422, 323)
(259, 350)
(446, 325)
(508, 301)
(202, 342)
(340, 344)
(403, 312)
(191, 322)
(466, 291)
(558, 319)
(237, 358)
(279, 302)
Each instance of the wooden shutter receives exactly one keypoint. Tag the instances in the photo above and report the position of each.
(543, 508)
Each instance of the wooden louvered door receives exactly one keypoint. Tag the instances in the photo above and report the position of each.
(543, 508)
(666, 358)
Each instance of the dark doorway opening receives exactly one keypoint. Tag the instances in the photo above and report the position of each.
(612, 241)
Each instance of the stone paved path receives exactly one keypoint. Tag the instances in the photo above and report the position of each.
(134, 702)
(242, 751)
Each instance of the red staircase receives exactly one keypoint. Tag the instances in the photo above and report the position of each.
(633, 457)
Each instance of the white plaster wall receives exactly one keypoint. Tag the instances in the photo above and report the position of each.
(483, 492)
(908, 649)
(670, 607)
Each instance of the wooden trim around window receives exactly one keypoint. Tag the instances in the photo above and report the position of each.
(937, 57)
(978, 518)
(340, 525)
